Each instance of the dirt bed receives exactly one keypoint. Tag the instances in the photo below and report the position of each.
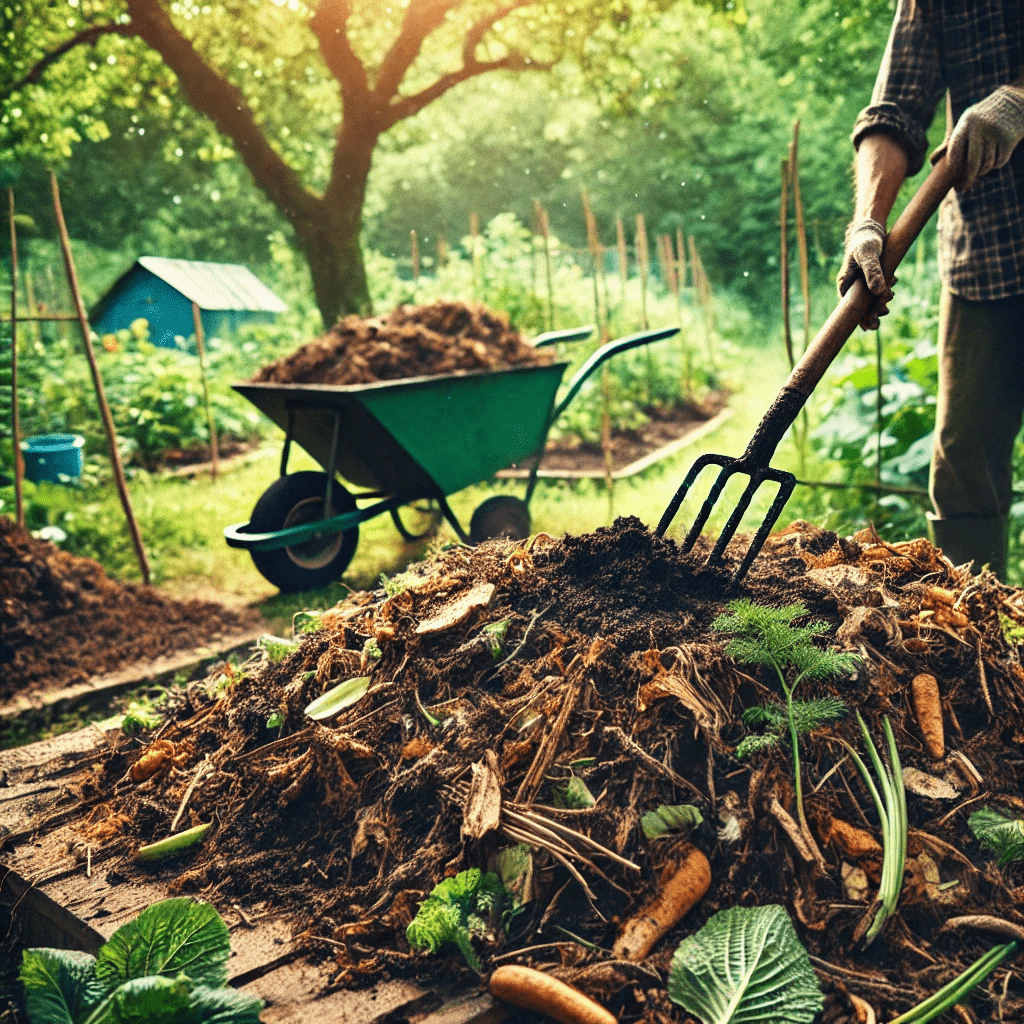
(499, 674)
(411, 341)
(62, 619)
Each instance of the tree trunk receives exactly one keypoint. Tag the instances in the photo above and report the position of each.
(331, 239)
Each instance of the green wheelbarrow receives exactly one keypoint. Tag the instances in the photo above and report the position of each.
(403, 441)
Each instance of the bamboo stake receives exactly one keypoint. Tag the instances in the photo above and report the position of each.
(787, 331)
(594, 246)
(801, 231)
(442, 251)
(197, 320)
(681, 256)
(620, 245)
(544, 229)
(644, 260)
(474, 231)
(108, 421)
(414, 246)
(19, 462)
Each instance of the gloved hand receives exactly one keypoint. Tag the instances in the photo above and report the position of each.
(864, 241)
(986, 135)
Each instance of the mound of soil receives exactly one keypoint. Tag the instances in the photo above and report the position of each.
(411, 341)
(500, 673)
(62, 619)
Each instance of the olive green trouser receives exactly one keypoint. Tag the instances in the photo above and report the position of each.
(978, 415)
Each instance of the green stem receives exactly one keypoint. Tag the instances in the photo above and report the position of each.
(797, 772)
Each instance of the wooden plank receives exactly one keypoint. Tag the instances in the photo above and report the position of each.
(159, 670)
(638, 466)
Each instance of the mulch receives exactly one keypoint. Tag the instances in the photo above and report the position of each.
(63, 620)
(410, 341)
(608, 671)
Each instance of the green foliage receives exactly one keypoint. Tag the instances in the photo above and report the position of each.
(276, 648)
(494, 634)
(746, 964)
(169, 965)
(573, 794)
(807, 715)
(959, 988)
(670, 819)
(337, 698)
(456, 909)
(1001, 835)
(396, 584)
(891, 806)
(140, 716)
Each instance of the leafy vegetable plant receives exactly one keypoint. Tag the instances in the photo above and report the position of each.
(1002, 835)
(765, 636)
(458, 908)
(807, 715)
(746, 964)
(891, 806)
(168, 966)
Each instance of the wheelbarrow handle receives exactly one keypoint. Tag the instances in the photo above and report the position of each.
(847, 315)
(604, 353)
(565, 334)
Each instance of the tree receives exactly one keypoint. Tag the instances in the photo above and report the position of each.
(272, 77)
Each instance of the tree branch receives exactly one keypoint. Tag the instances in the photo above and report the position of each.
(421, 18)
(87, 37)
(330, 26)
(476, 33)
(409, 105)
(211, 94)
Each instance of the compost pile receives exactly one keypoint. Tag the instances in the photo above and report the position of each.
(410, 341)
(62, 619)
(492, 680)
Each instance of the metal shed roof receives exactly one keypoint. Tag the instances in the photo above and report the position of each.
(215, 285)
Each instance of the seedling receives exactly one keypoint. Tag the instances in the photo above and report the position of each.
(891, 806)
(458, 908)
(765, 636)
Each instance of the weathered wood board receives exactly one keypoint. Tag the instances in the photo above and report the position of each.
(55, 900)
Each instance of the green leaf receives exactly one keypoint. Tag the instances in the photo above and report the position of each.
(60, 985)
(275, 721)
(146, 1000)
(574, 794)
(169, 938)
(1002, 835)
(277, 647)
(338, 698)
(224, 1006)
(755, 743)
(669, 818)
(176, 843)
(746, 965)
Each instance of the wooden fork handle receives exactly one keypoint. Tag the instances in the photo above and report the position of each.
(858, 299)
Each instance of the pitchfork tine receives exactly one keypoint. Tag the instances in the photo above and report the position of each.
(755, 461)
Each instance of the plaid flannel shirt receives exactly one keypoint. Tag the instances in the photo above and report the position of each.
(970, 48)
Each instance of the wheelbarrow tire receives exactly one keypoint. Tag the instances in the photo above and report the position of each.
(290, 501)
(500, 516)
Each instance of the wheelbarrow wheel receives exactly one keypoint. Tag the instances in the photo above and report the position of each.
(292, 501)
(500, 516)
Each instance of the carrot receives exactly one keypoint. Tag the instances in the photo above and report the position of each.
(928, 709)
(534, 990)
(681, 889)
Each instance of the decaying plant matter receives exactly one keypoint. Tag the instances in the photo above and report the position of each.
(411, 341)
(607, 672)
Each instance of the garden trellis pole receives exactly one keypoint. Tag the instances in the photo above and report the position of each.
(414, 250)
(19, 463)
(197, 321)
(643, 259)
(620, 245)
(543, 228)
(108, 420)
(787, 331)
(801, 231)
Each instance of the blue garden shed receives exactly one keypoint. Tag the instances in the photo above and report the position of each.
(162, 290)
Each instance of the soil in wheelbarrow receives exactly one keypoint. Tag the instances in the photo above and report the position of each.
(410, 341)
(63, 620)
(548, 695)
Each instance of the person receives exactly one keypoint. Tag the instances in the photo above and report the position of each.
(974, 53)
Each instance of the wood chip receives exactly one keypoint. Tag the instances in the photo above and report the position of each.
(454, 613)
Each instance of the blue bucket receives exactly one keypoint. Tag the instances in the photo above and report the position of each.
(51, 456)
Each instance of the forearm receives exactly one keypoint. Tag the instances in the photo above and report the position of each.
(880, 169)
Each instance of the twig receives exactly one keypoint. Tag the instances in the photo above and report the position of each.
(828, 775)
(273, 745)
(632, 748)
(973, 800)
(569, 833)
(984, 681)
(864, 1007)
(987, 923)
(205, 767)
(88, 862)
(529, 949)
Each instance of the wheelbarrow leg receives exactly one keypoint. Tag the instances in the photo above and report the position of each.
(335, 438)
(452, 520)
(286, 450)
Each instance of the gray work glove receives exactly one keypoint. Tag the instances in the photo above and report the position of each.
(864, 241)
(986, 135)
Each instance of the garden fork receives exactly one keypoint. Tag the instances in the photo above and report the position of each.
(754, 462)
